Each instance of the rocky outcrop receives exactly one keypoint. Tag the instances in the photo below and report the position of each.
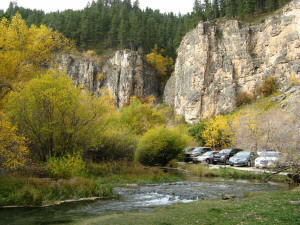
(217, 62)
(124, 75)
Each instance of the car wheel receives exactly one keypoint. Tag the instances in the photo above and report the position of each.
(249, 163)
(207, 161)
(227, 162)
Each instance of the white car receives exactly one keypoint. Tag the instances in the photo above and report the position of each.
(206, 157)
(267, 159)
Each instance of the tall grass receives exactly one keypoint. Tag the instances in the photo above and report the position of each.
(43, 191)
(128, 172)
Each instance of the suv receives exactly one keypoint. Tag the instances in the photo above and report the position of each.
(224, 155)
(189, 156)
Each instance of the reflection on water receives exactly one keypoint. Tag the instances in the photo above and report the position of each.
(141, 198)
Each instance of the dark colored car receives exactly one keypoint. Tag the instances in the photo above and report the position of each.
(243, 159)
(224, 155)
(189, 156)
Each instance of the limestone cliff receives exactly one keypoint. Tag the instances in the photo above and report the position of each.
(216, 62)
(124, 75)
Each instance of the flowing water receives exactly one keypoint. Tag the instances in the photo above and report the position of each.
(136, 198)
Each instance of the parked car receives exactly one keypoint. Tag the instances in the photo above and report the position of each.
(207, 157)
(189, 156)
(267, 159)
(243, 159)
(188, 149)
(224, 155)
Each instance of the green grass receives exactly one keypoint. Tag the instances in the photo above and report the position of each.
(43, 191)
(204, 171)
(257, 208)
(117, 173)
(20, 190)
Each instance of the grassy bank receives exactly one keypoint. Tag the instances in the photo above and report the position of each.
(258, 208)
(97, 181)
(43, 191)
(204, 171)
(118, 173)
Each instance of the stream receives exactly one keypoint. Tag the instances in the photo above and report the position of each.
(136, 198)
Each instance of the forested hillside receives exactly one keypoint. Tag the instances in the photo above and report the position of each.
(123, 24)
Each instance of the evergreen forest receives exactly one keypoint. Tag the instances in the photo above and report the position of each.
(112, 24)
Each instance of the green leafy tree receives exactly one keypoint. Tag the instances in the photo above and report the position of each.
(160, 146)
(57, 117)
(140, 117)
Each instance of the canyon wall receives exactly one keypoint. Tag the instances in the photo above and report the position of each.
(125, 74)
(217, 62)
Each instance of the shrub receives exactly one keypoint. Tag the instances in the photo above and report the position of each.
(196, 132)
(115, 145)
(269, 87)
(140, 117)
(159, 146)
(65, 167)
(243, 98)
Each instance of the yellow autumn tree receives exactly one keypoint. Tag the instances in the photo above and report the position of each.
(217, 132)
(13, 152)
(57, 117)
(25, 52)
(163, 65)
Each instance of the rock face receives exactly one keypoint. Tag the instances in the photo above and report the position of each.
(124, 75)
(217, 62)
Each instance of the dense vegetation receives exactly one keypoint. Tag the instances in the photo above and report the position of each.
(116, 23)
(70, 138)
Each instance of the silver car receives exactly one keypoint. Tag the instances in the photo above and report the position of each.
(207, 157)
(243, 159)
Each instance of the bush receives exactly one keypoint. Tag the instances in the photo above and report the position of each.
(115, 145)
(65, 167)
(196, 132)
(243, 98)
(159, 146)
(269, 87)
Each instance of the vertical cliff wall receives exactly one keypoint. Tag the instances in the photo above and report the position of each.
(217, 62)
(124, 75)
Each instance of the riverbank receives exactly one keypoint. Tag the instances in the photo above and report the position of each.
(255, 208)
(228, 172)
(23, 190)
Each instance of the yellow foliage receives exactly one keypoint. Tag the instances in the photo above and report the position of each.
(91, 52)
(58, 117)
(140, 117)
(13, 151)
(100, 76)
(294, 81)
(25, 51)
(163, 65)
(217, 132)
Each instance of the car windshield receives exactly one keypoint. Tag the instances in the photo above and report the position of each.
(207, 153)
(225, 151)
(243, 154)
(270, 154)
(189, 149)
(198, 150)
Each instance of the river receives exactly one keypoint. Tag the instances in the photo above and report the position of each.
(136, 198)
